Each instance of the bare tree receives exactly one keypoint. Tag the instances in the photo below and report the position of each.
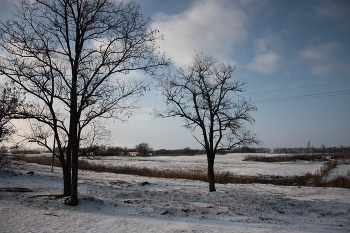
(72, 57)
(10, 102)
(206, 96)
(143, 148)
(4, 158)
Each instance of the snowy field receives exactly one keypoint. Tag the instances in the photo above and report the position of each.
(223, 163)
(124, 203)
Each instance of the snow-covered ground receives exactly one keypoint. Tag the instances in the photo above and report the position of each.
(340, 170)
(124, 203)
(223, 163)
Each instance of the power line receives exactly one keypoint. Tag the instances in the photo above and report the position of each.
(301, 97)
(291, 98)
(291, 88)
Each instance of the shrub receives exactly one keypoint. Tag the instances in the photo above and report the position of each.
(4, 160)
(285, 158)
(339, 182)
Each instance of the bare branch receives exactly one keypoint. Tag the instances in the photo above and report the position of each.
(207, 97)
(71, 57)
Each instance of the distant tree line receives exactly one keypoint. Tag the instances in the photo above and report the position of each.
(177, 152)
(144, 148)
(303, 150)
(250, 150)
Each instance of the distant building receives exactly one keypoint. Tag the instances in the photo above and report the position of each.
(136, 153)
(133, 153)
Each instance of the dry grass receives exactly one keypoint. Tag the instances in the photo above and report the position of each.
(340, 182)
(307, 179)
(289, 158)
(39, 160)
(282, 158)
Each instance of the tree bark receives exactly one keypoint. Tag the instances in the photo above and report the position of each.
(74, 190)
(66, 180)
(211, 178)
(74, 157)
(73, 138)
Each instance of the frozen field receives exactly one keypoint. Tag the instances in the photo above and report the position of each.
(223, 163)
(120, 203)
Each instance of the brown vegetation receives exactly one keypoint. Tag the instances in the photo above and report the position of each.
(307, 179)
(185, 151)
(288, 158)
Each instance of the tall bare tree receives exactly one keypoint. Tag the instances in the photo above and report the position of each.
(206, 96)
(72, 58)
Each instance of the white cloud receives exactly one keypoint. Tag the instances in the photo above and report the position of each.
(321, 69)
(320, 53)
(133, 75)
(323, 59)
(265, 63)
(266, 60)
(213, 27)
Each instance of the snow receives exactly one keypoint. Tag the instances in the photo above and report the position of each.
(223, 163)
(340, 170)
(125, 203)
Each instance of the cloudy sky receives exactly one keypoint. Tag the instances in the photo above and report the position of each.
(294, 54)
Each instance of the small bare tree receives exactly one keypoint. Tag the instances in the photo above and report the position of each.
(207, 97)
(72, 58)
(143, 148)
(10, 103)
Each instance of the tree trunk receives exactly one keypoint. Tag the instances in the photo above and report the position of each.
(74, 190)
(74, 150)
(73, 132)
(211, 179)
(66, 180)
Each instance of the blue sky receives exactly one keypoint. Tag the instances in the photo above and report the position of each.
(281, 48)
(291, 48)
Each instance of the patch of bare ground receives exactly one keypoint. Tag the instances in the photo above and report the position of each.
(16, 190)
